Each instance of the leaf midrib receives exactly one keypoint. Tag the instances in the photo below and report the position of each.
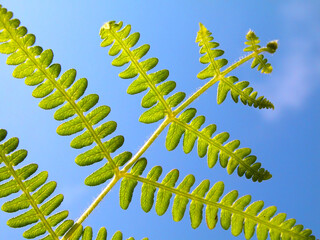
(207, 202)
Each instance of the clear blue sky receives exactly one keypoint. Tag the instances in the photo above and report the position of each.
(285, 140)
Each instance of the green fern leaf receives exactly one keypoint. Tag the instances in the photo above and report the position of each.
(235, 212)
(35, 65)
(215, 148)
(180, 202)
(259, 60)
(213, 70)
(163, 196)
(128, 185)
(247, 96)
(34, 189)
(204, 39)
(113, 34)
(147, 196)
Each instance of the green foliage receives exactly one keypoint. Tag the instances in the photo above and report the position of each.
(259, 60)
(213, 70)
(121, 41)
(64, 91)
(35, 66)
(35, 190)
(229, 155)
(235, 212)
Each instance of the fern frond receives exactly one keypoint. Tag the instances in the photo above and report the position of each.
(241, 89)
(87, 234)
(229, 155)
(247, 96)
(113, 34)
(259, 61)
(207, 47)
(238, 213)
(35, 191)
(35, 66)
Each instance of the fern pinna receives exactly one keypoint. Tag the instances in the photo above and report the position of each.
(19, 179)
(235, 212)
(35, 191)
(35, 66)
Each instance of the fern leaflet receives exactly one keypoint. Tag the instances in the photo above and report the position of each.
(235, 212)
(35, 191)
(35, 66)
(213, 70)
(230, 156)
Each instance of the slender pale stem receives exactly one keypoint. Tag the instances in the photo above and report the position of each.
(147, 144)
(93, 205)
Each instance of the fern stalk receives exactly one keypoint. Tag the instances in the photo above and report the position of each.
(92, 206)
(165, 123)
(147, 144)
(30, 199)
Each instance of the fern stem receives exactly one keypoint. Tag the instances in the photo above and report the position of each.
(217, 145)
(116, 178)
(147, 144)
(142, 72)
(243, 60)
(29, 197)
(92, 206)
(64, 93)
(217, 78)
(183, 105)
(215, 204)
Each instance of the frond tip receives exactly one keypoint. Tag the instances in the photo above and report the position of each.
(253, 46)
(207, 47)
(237, 213)
(226, 84)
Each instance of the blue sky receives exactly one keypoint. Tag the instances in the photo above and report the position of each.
(285, 140)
